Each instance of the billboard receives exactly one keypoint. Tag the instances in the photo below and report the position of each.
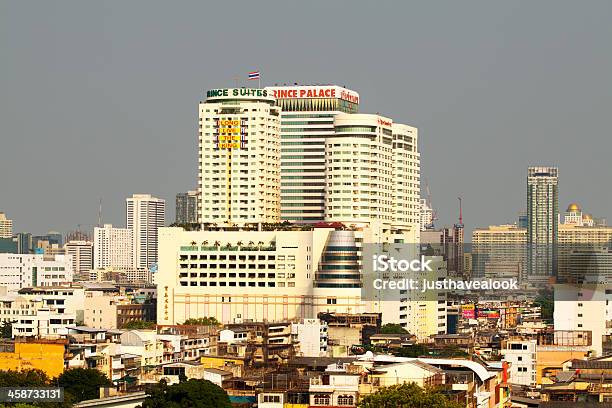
(468, 311)
(230, 134)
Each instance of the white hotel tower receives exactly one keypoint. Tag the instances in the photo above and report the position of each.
(239, 157)
(372, 175)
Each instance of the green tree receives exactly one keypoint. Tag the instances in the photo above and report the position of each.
(407, 396)
(6, 330)
(82, 383)
(139, 325)
(202, 321)
(25, 378)
(191, 393)
(416, 350)
(545, 300)
(392, 328)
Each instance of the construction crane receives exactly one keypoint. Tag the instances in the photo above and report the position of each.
(434, 213)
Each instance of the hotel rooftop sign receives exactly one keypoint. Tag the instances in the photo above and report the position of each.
(313, 92)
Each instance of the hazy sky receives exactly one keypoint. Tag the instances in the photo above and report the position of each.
(99, 99)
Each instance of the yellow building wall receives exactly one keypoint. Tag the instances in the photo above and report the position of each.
(554, 359)
(219, 362)
(48, 357)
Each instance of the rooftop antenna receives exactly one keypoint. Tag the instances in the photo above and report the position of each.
(460, 211)
(100, 213)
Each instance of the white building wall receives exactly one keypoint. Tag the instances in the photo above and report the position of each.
(26, 270)
(521, 354)
(583, 308)
(113, 247)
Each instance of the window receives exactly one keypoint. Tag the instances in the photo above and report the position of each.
(322, 399)
(345, 400)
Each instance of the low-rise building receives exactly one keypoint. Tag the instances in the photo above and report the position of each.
(311, 335)
(45, 355)
(145, 344)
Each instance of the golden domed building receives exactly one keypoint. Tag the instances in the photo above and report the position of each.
(573, 215)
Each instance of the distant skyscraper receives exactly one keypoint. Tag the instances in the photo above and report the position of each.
(113, 247)
(187, 208)
(542, 221)
(426, 215)
(24, 243)
(82, 256)
(6, 226)
(145, 214)
(239, 147)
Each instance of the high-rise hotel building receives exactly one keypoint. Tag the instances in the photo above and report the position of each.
(307, 120)
(372, 174)
(301, 154)
(239, 157)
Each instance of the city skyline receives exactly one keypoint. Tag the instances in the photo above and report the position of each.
(466, 107)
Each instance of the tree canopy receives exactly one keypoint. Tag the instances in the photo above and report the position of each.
(25, 378)
(407, 396)
(139, 324)
(83, 383)
(392, 328)
(191, 393)
(202, 321)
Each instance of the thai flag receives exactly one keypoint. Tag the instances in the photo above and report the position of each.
(254, 75)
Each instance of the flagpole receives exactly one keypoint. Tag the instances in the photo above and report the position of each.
(259, 80)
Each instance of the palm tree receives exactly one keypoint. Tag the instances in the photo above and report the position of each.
(217, 244)
(205, 243)
(260, 244)
(239, 243)
(193, 243)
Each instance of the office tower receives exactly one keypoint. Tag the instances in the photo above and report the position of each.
(239, 157)
(575, 244)
(187, 208)
(78, 235)
(447, 243)
(113, 247)
(542, 219)
(306, 121)
(145, 214)
(24, 243)
(81, 253)
(6, 226)
(499, 251)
